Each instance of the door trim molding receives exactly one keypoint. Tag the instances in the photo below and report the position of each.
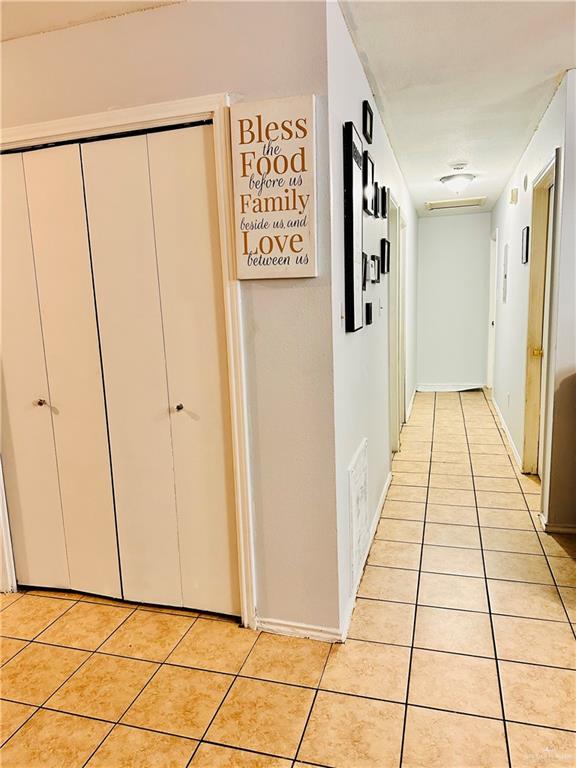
(216, 108)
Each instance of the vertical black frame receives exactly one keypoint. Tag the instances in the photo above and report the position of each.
(353, 205)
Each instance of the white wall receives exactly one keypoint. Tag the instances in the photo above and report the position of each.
(556, 129)
(361, 388)
(259, 50)
(453, 291)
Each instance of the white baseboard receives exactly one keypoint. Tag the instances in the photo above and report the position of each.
(447, 387)
(507, 433)
(410, 405)
(373, 527)
(294, 629)
(7, 570)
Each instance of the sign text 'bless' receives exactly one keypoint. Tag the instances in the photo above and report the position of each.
(274, 188)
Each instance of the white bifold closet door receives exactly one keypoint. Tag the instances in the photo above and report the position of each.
(152, 213)
(59, 485)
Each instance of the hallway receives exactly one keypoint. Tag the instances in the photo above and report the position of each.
(459, 538)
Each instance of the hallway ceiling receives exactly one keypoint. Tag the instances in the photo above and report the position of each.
(462, 81)
(21, 18)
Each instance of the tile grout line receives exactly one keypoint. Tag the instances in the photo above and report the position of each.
(408, 678)
(496, 660)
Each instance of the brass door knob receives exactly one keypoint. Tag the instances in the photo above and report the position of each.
(179, 407)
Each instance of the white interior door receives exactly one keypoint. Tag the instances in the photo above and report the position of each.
(182, 174)
(128, 299)
(28, 452)
(64, 278)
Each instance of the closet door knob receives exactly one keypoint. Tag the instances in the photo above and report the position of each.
(40, 401)
(179, 407)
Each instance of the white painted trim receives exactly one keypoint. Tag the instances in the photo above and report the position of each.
(7, 571)
(410, 406)
(447, 387)
(373, 529)
(294, 629)
(508, 435)
(166, 113)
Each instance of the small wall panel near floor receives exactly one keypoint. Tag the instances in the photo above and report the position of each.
(127, 296)
(185, 207)
(28, 453)
(64, 278)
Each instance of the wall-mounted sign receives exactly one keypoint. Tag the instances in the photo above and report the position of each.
(274, 167)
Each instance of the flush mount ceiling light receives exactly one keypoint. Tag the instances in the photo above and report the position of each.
(457, 182)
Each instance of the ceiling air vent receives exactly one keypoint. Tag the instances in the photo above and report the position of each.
(460, 202)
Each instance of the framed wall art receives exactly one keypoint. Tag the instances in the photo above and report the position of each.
(365, 270)
(369, 313)
(384, 202)
(367, 121)
(376, 271)
(353, 203)
(385, 255)
(525, 244)
(376, 200)
(368, 179)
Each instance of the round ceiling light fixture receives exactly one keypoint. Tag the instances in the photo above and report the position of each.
(457, 182)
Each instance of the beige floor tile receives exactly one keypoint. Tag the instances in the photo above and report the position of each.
(517, 519)
(507, 540)
(414, 452)
(558, 545)
(394, 584)
(382, 622)
(148, 635)
(451, 469)
(444, 629)
(85, 626)
(135, 748)
(37, 671)
(403, 510)
(487, 450)
(534, 502)
(285, 659)
(12, 716)
(400, 530)
(54, 740)
(215, 645)
(453, 515)
(394, 554)
(447, 740)
(62, 594)
(9, 647)
(457, 561)
(29, 615)
(345, 731)
(530, 483)
(212, 756)
(533, 601)
(186, 612)
(447, 591)
(485, 469)
(410, 478)
(539, 695)
(116, 602)
(514, 567)
(7, 598)
(451, 482)
(401, 465)
(452, 535)
(367, 669)
(458, 683)
(262, 716)
(569, 600)
(104, 687)
(179, 701)
(447, 496)
(500, 484)
(531, 746)
(451, 457)
(498, 500)
(406, 493)
(535, 641)
(493, 438)
(564, 570)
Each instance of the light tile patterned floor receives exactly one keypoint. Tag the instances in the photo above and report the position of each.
(461, 653)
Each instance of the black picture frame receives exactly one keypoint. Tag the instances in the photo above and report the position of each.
(367, 121)
(368, 313)
(375, 272)
(525, 244)
(368, 182)
(385, 255)
(384, 202)
(376, 200)
(364, 271)
(353, 235)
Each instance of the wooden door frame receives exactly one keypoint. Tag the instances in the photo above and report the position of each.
(536, 303)
(216, 108)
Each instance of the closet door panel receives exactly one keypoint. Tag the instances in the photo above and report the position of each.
(185, 209)
(128, 301)
(64, 277)
(28, 453)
